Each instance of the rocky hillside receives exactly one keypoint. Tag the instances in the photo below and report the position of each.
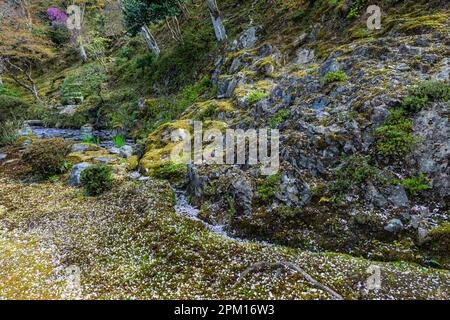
(363, 117)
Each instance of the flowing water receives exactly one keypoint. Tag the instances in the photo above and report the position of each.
(184, 208)
(78, 135)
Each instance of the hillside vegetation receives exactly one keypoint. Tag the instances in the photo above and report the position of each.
(363, 180)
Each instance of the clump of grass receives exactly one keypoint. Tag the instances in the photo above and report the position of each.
(88, 138)
(118, 140)
(334, 76)
(256, 96)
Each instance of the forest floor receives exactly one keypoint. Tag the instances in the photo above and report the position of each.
(131, 244)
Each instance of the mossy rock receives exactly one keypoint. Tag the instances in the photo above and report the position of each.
(208, 110)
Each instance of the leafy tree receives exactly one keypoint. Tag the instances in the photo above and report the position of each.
(23, 48)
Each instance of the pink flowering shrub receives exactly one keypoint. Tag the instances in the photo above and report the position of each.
(57, 16)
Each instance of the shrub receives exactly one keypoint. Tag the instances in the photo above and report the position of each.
(8, 132)
(432, 90)
(414, 185)
(426, 91)
(356, 170)
(413, 103)
(82, 82)
(334, 76)
(96, 179)
(256, 96)
(47, 156)
(12, 107)
(395, 138)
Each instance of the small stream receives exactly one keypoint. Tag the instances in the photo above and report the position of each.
(105, 136)
(184, 208)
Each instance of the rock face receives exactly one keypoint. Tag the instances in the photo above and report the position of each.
(394, 226)
(335, 188)
(248, 38)
(243, 195)
(75, 174)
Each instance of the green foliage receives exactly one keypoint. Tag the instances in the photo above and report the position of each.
(12, 107)
(268, 188)
(170, 170)
(96, 48)
(6, 91)
(256, 96)
(47, 156)
(59, 35)
(420, 94)
(138, 13)
(118, 140)
(395, 138)
(356, 170)
(414, 185)
(432, 90)
(281, 116)
(145, 61)
(182, 65)
(334, 76)
(413, 103)
(82, 82)
(96, 179)
(355, 10)
(8, 132)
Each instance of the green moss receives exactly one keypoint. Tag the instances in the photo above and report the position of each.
(334, 76)
(440, 237)
(208, 110)
(168, 170)
(411, 23)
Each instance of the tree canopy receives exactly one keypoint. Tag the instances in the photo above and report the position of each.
(142, 12)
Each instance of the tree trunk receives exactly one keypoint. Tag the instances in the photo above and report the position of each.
(83, 54)
(216, 19)
(150, 41)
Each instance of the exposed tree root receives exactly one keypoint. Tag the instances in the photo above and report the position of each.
(289, 265)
